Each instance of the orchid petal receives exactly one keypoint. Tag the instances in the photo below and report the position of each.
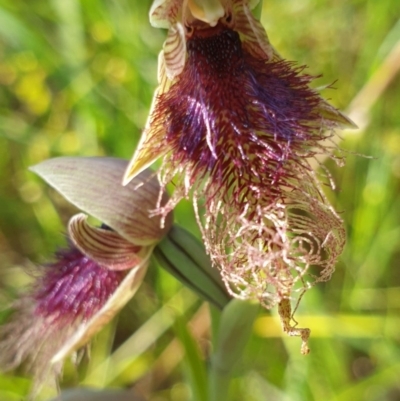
(93, 184)
(330, 113)
(255, 40)
(87, 329)
(208, 11)
(252, 33)
(105, 247)
(151, 147)
(163, 13)
(175, 51)
(171, 61)
(252, 3)
(164, 82)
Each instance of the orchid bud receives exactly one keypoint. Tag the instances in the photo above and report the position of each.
(74, 296)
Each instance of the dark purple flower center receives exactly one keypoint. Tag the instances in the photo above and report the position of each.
(74, 287)
(237, 117)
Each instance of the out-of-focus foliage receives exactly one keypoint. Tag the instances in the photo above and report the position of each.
(77, 77)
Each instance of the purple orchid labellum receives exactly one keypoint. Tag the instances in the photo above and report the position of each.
(78, 293)
(237, 127)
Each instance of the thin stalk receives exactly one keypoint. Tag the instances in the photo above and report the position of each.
(215, 315)
(219, 384)
(233, 333)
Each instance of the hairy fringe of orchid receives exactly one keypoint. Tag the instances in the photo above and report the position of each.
(273, 247)
(238, 123)
(241, 132)
(237, 188)
(65, 294)
(33, 341)
(270, 252)
(264, 247)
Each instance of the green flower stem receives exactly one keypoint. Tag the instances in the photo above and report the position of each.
(219, 386)
(235, 327)
(215, 315)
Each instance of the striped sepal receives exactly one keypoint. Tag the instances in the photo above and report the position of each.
(104, 246)
(174, 51)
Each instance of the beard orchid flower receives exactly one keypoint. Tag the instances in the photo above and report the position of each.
(237, 126)
(89, 281)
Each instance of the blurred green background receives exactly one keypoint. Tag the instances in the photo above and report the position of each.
(77, 78)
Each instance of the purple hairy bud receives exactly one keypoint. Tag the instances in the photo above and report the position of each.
(73, 288)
